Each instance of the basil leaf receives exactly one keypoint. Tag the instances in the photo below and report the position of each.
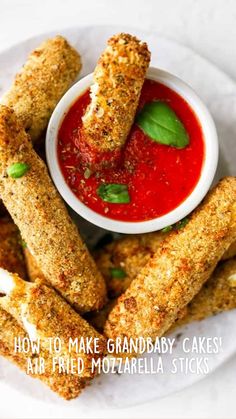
(118, 273)
(167, 229)
(161, 124)
(17, 170)
(182, 223)
(87, 173)
(114, 193)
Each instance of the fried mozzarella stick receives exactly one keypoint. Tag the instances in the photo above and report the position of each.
(129, 255)
(45, 315)
(218, 294)
(65, 385)
(47, 74)
(42, 218)
(11, 258)
(117, 82)
(178, 269)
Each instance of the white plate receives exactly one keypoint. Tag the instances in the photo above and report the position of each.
(219, 93)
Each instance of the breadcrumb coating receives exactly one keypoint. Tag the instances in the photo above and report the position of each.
(44, 223)
(47, 74)
(44, 314)
(218, 294)
(178, 269)
(118, 80)
(131, 254)
(32, 268)
(11, 255)
(65, 385)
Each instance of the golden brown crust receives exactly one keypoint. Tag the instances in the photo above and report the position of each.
(218, 294)
(118, 80)
(11, 255)
(46, 76)
(131, 254)
(178, 269)
(51, 316)
(65, 385)
(32, 268)
(39, 212)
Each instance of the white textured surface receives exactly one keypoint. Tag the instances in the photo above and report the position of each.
(209, 28)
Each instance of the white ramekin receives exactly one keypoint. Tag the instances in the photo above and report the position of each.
(200, 190)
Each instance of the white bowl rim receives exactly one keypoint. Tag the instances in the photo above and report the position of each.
(186, 207)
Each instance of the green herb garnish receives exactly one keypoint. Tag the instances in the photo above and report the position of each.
(87, 173)
(161, 124)
(17, 170)
(23, 244)
(177, 226)
(182, 223)
(114, 193)
(167, 229)
(118, 273)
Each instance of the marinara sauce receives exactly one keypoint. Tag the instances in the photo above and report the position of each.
(159, 177)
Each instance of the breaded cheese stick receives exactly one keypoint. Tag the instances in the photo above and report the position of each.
(47, 74)
(44, 315)
(129, 255)
(117, 82)
(178, 269)
(11, 255)
(65, 385)
(217, 295)
(43, 220)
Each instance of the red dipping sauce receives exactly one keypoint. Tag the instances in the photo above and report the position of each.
(159, 177)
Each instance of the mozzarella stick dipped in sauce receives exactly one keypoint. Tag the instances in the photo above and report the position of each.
(117, 82)
(178, 269)
(37, 209)
(121, 261)
(44, 314)
(47, 74)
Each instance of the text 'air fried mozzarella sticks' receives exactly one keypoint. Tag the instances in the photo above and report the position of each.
(42, 218)
(66, 385)
(178, 269)
(44, 314)
(130, 254)
(118, 80)
(47, 74)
